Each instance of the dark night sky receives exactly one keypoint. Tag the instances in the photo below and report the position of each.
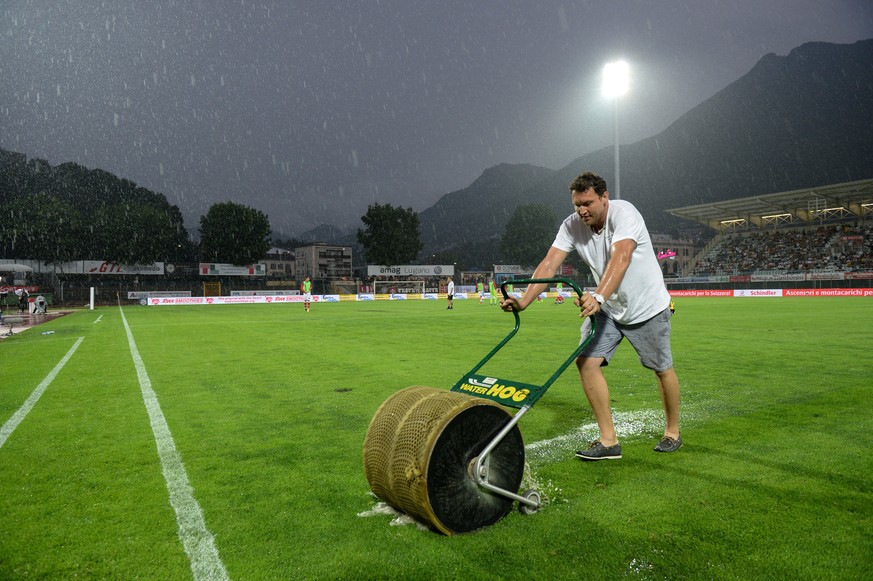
(311, 110)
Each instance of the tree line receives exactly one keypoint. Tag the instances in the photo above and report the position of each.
(69, 212)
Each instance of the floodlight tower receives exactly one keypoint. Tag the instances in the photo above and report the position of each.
(616, 79)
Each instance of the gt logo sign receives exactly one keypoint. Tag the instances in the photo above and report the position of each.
(106, 267)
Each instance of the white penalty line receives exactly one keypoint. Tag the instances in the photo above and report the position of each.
(22, 412)
(198, 542)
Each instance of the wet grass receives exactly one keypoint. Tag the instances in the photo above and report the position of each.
(268, 407)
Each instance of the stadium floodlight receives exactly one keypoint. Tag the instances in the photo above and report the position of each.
(616, 80)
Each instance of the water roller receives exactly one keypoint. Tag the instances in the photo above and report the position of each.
(454, 459)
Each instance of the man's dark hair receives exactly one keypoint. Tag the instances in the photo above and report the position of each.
(589, 180)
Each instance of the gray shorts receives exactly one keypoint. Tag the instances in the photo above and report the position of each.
(650, 339)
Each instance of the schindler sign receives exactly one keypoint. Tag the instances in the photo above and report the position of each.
(409, 270)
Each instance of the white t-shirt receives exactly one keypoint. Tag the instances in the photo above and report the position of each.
(451, 289)
(642, 293)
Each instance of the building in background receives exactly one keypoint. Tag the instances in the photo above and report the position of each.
(280, 264)
(674, 254)
(323, 261)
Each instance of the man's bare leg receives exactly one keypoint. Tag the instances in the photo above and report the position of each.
(668, 384)
(597, 392)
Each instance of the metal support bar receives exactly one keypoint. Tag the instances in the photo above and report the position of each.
(481, 471)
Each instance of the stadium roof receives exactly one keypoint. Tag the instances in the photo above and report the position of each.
(837, 202)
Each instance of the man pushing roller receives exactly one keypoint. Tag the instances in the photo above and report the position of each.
(630, 301)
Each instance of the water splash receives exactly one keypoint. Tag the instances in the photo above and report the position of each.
(549, 492)
(399, 518)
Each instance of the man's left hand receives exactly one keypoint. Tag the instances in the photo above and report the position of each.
(588, 305)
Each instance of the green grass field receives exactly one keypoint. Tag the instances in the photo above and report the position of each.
(266, 408)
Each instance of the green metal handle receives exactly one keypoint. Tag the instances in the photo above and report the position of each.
(514, 330)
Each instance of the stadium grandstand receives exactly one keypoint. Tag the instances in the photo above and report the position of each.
(814, 234)
(810, 206)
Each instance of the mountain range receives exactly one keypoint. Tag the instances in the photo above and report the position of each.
(802, 120)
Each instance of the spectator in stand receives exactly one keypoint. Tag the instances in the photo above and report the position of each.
(833, 248)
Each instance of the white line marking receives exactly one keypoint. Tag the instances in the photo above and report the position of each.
(97, 320)
(22, 412)
(628, 425)
(198, 542)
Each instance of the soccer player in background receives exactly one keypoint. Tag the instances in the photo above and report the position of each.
(450, 293)
(307, 292)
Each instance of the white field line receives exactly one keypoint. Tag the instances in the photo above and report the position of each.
(198, 542)
(97, 320)
(22, 412)
(628, 426)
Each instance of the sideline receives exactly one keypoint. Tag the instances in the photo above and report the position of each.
(18, 322)
(198, 542)
(22, 412)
